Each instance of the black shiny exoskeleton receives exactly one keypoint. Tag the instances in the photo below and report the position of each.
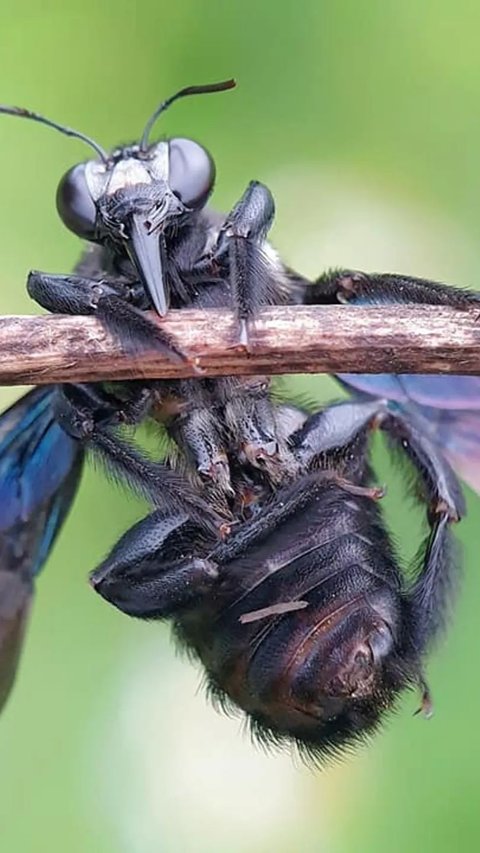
(266, 546)
(299, 611)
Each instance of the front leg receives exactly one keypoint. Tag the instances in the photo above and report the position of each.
(255, 273)
(117, 304)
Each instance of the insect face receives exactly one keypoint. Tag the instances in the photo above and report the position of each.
(131, 199)
(134, 198)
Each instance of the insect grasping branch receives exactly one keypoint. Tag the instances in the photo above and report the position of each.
(293, 339)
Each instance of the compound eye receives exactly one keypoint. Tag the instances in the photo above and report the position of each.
(192, 172)
(75, 205)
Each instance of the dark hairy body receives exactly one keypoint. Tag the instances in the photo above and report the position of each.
(266, 546)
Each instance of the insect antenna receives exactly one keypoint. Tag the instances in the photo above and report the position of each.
(189, 90)
(21, 112)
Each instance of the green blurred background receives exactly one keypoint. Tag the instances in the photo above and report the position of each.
(364, 120)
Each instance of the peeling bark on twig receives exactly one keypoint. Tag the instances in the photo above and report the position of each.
(331, 339)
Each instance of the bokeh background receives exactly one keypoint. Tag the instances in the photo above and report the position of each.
(363, 117)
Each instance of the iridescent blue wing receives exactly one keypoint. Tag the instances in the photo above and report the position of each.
(448, 405)
(40, 468)
(461, 393)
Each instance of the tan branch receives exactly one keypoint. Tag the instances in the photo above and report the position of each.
(332, 339)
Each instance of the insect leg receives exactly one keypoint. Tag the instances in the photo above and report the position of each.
(450, 403)
(79, 409)
(430, 595)
(195, 425)
(236, 414)
(337, 428)
(116, 304)
(385, 289)
(250, 417)
(256, 276)
(153, 571)
(89, 416)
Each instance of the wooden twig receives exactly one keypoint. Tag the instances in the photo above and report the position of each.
(333, 339)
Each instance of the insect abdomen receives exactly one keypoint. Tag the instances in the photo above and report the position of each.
(306, 618)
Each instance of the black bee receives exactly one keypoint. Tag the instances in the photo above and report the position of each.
(266, 546)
